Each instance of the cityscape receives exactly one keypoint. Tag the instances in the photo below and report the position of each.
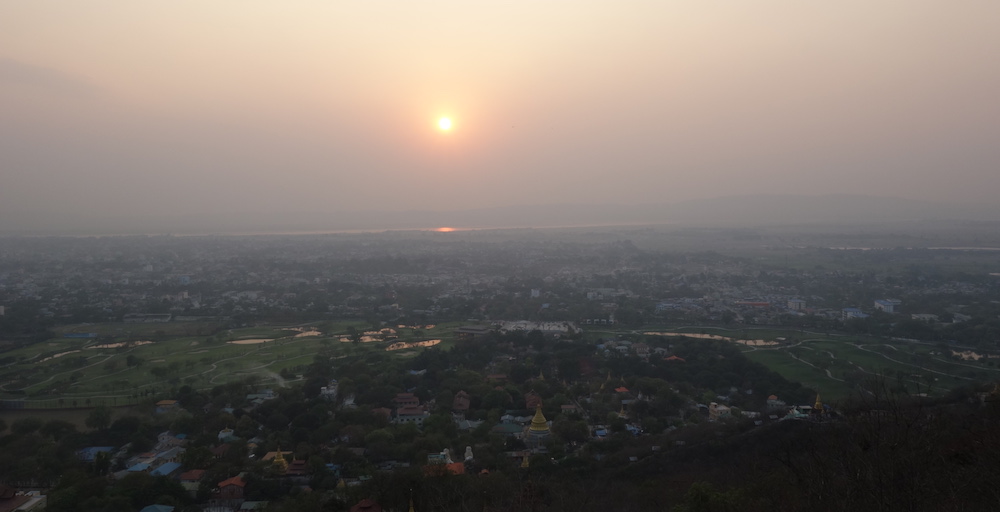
(685, 256)
(482, 369)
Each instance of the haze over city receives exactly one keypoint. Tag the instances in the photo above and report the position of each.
(440, 255)
(222, 110)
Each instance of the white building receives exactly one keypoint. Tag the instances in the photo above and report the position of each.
(796, 304)
(887, 305)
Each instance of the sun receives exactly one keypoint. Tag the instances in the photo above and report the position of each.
(444, 124)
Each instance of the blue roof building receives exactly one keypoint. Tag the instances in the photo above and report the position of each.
(89, 454)
(167, 469)
(852, 313)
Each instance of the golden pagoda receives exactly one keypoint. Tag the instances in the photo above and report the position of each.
(539, 429)
(539, 423)
(818, 406)
(279, 463)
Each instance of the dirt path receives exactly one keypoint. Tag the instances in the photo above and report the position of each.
(862, 347)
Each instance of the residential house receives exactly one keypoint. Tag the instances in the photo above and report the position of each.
(165, 406)
(718, 412)
(12, 500)
(774, 405)
(191, 480)
(169, 469)
(230, 492)
(570, 409)
(641, 350)
(166, 440)
(227, 435)
(461, 402)
(329, 391)
(411, 414)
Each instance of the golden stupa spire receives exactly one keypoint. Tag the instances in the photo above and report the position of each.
(818, 406)
(279, 461)
(539, 422)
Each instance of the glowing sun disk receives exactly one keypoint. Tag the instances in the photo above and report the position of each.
(444, 123)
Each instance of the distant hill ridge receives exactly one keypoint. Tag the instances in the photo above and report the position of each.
(736, 210)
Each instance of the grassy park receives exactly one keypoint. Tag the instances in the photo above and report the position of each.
(126, 362)
(835, 365)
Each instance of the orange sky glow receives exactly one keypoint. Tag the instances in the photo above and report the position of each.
(336, 106)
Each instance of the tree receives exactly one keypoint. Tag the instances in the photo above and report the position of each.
(196, 457)
(25, 426)
(702, 497)
(102, 463)
(58, 429)
(99, 418)
(353, 334)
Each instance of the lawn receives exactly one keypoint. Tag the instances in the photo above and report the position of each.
(783, 364)
(807, 357)
(95, 373)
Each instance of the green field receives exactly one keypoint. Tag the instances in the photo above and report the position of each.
(837, 365)
(796, 371)
(155, 358)
(130, 361)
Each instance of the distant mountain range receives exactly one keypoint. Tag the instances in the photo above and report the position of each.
(748, 210)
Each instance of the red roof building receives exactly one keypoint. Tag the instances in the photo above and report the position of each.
(232, 488)
(532, 400)
(455, 468)
(461, 402)
(194, 475)
(366, 505)
(406, 400)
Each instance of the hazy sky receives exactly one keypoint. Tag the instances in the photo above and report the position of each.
(125, 107)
